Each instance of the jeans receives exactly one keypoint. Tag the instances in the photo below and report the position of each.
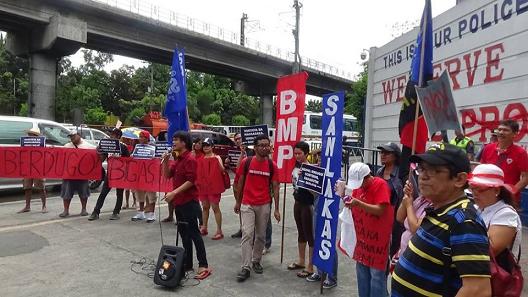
(371, 282)
(190, 233)
(254, 222)
(333, 277)
(102, 196)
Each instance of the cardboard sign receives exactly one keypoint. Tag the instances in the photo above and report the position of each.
(234, 155)
(311, 178)
(161, 148)
(109, 146)
(40, 162)
(438, 105)
(251, 132)
(34, 141)
(144, 151)
(137, 174)
(291, 93)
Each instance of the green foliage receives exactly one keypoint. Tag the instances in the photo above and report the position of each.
(314, 106)
(95, 116)
(354, 102)
(240, 120)
(212, 119)
(24, 110)
(134, 116)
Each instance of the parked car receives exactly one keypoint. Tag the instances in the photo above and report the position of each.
(12, 128)
(222, 143)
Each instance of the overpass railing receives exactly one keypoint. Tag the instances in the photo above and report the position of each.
(170, 17)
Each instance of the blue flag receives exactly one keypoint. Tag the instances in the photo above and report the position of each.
(327, 209)
(424, 36)
(176, 106)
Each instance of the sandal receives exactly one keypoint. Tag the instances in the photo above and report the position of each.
(304, 274)
(203, 275)
(295, 266)
(218, 236)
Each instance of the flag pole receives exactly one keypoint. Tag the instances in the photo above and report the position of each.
(420, 77)
(283, 224)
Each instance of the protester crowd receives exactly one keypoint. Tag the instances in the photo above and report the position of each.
(432, 238)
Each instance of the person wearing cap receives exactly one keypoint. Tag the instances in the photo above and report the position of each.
(71, 186)
(510, 157)
(370, 206)
(147, 200)
(493, 139)
(449, 254)
(494, 200)
(210, 182)
(464, 143)
(34, 183)
(390, 172)
(114, 134)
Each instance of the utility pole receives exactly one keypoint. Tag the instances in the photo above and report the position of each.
(243, 21)
(297, 64)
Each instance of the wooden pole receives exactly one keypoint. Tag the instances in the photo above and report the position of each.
(283, 224)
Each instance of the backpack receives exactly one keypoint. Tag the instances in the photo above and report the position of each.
(246, 171)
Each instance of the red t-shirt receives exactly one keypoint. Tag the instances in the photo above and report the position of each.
(210, 179)
(373, 233)
(513, 161)
(257, 185)
(182, 170)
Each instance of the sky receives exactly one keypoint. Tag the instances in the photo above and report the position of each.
(331, 31)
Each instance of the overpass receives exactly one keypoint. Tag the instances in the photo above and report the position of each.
(45, 30)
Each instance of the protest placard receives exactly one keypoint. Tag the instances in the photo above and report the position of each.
(161, 148)
(438, 105)
(249, 133)
(35, 141)
(144, 151)
(137, 174)
(41, 162)
(109, 146)
(234, 155)
(312, 178)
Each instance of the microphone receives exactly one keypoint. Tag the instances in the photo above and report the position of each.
(167, 153)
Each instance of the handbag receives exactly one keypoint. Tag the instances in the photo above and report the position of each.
(227, 180)
(506, 275)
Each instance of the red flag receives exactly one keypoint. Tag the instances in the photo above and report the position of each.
(291, 93)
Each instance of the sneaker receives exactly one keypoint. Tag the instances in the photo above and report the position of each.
(114, 217)
(329, 284)
(243, 274)
(93, 217)
(314, 278)
(237, 234)
(257, 268)
(140, 216)
(150, 217)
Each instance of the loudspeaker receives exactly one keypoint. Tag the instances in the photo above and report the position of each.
(169, 269)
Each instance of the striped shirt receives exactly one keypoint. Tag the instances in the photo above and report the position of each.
(455, 230)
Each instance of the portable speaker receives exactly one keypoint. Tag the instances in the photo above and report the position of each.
(169, 269)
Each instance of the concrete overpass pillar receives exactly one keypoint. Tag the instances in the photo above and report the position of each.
(267, 110)
(42, 85)
(43, 46)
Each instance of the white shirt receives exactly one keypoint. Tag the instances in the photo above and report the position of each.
(501, 214)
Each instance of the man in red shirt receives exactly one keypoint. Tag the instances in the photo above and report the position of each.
(253, 202)
(373, 217)
(184, 199)
(511, 158)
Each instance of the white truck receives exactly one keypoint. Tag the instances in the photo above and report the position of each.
(483, 44)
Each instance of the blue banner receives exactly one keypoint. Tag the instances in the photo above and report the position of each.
(176, 106)
(327, 209)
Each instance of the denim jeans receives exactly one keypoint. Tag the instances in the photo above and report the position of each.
(333, 277)
(371, 282)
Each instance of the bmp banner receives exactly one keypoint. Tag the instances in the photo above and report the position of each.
(291, 92)
(324, 256)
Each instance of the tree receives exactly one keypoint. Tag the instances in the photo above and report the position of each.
(314, 105)
(212, 119)
(95, 116)
(354, 102)
(240, 120)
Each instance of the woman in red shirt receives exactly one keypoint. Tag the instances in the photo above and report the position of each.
(210, 183)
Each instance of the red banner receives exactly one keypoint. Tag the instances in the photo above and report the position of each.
(137, 174)
(291, 93)
(56, 162)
